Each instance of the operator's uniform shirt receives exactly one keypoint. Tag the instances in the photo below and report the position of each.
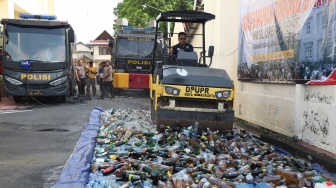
(178, 47)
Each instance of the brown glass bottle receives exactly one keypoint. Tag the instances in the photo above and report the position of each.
(291, 177)
(111, 169)
(275, 179)
(218, 182)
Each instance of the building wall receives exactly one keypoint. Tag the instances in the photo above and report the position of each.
(12, 8)
(87, 51)
(99, 58)
(82, 48)
(35, 6)
(51, 7)
(315, 121)
(6, 9)
(223, 34)
(306, 112)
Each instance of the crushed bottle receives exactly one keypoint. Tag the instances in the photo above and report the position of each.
(130, 152)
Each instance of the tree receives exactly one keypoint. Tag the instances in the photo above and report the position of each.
(137, 15)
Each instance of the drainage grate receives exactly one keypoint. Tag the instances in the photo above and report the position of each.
(54, 130)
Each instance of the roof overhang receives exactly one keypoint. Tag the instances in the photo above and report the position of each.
(192, 16)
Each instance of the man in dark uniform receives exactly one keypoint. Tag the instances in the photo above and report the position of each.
(182, 45)
(100, 74)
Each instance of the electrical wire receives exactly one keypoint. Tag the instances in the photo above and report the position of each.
(74, 100)
(228, 54)
(28, 89)
(219, 52)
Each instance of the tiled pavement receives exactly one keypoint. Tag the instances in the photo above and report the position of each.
(7, 103)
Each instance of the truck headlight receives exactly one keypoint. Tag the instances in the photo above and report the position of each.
(58, 81)
(172, 91)
(13, 81)
(223, 94)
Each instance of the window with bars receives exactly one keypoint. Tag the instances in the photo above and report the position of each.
(319, 49)
(320, 20)
(104, 51)
(309, 49)
(308, 31)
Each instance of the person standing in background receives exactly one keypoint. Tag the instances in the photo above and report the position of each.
(91, 80)
(107, 80)
(101, 74)
(80, 77)
(113, 92)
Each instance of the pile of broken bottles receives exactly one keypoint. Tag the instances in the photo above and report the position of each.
(130, 152)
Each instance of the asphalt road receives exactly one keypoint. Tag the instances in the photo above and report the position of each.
(36, 142)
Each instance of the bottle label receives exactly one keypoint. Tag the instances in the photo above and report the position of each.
(108, 169)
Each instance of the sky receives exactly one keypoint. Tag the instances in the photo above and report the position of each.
(88, 18)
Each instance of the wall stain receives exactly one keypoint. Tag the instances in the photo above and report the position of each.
(272, 110)
(316, 123)
(240, 109)
(272, 113)
(242, 86)
(317, 97)
(266, 87)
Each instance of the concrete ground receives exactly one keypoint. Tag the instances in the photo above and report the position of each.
(38, 137)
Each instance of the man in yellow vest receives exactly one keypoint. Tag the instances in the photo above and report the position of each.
(91, 79)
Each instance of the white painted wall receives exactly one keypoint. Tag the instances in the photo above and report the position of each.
(100, 58)
(12, 8)
(267, 105)
(6, 9)
(33, 6)
(307, 112)
(82, 48)
(315, 116)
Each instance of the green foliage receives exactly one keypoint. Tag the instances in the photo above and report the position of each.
(137, 15)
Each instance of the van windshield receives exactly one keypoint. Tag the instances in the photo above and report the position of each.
(35, 43)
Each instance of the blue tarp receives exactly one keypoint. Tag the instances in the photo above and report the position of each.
(77, 170)
(281, 151)
(317, 167)
(322, 170)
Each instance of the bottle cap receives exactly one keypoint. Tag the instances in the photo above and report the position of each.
(329, 183)
(113, 157)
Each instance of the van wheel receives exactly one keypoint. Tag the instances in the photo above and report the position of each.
(65, 99)
(72, 89)
(17, 99)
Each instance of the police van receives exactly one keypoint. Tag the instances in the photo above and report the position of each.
(37, 57)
